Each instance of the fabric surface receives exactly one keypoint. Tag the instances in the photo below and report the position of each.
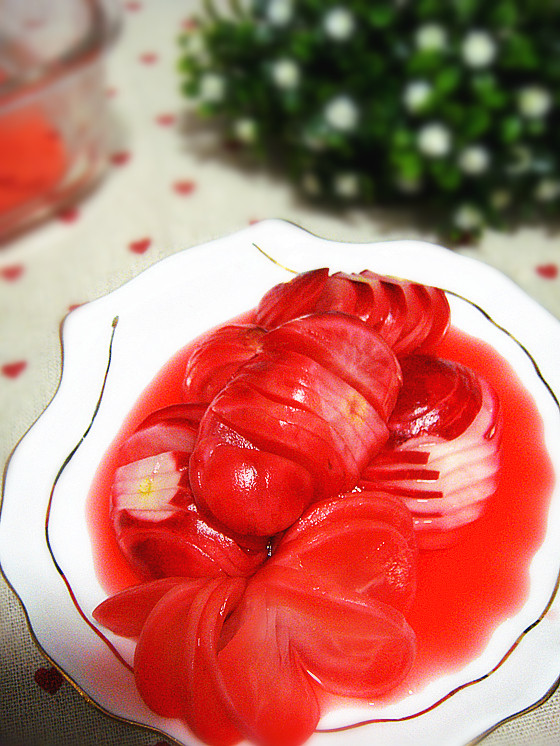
(172, 184)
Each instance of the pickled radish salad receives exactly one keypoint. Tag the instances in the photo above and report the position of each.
(304, 510)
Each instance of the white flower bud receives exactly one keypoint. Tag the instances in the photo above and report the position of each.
(478, 49)
(347, 185)
(434, 140)
(212, 87)
(280, 12)
(339, 24)
(474, 160)
(342, 113)
(534, 102)
(431, 37)
(286, 74)
(468, 218)
(547, 190)
(245, 130)
(416, 94)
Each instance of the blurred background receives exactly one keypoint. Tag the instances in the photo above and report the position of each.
(133, 129)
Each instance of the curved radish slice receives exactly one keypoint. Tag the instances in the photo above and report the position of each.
(438, 396)
(206, 705)
(352, 648)
(126, 612)
(360, 543)
(288, 300)
(441, 318)
(417, 317)
(290, 432)
(345, 346)
(160, 530)
(171, 428)
(406, 314)
(217, 357)
(159, 659)
(176, 656)
(268, 690)
(445, 469)
(291, 378)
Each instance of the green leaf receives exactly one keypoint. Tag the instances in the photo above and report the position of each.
(447, 80)
(477, 121)
(381, 15)
(519, 53)
(408, 163)
(446, 174)
(511, 128)
(505, 14)
(402, 138)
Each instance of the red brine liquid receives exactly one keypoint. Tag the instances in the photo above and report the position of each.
(465, 590)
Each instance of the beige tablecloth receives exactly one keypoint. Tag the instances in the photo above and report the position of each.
(171, 185)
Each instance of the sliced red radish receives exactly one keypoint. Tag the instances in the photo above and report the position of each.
(345, 346)
(171, 428)
(217, 357)
(444, 455)
(358, 544)
(269, 692)
(161, 531)
(176, 658)
(406, 314)
(296, 423)
(289, 300)
(126, 612)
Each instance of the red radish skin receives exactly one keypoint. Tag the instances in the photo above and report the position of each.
(217, 358)
(447, 412)
(255, 466)
(406, 314)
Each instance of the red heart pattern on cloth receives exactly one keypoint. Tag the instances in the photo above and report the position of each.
(166, 120)
(548, 271)
(120, 158)
(140, 246)
(184, 187)
(49, 679)
(12, 272)
(149, 58)
(15, 369)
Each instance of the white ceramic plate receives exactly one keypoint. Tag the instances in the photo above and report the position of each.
(45, 547)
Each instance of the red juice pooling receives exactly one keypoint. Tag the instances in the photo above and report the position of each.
(465, 590)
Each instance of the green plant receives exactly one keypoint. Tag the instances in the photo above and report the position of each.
(452, 106)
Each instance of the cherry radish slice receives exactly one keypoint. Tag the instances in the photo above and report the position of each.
(348, 348)
(289, 300)
(217, 358)
(126, 612)
(206, 704)
(250, 491)
(453, 417)
(160, 530)
(270, 693)
(360, 543)
(171, 428)
(353, 649)
(437, 396)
